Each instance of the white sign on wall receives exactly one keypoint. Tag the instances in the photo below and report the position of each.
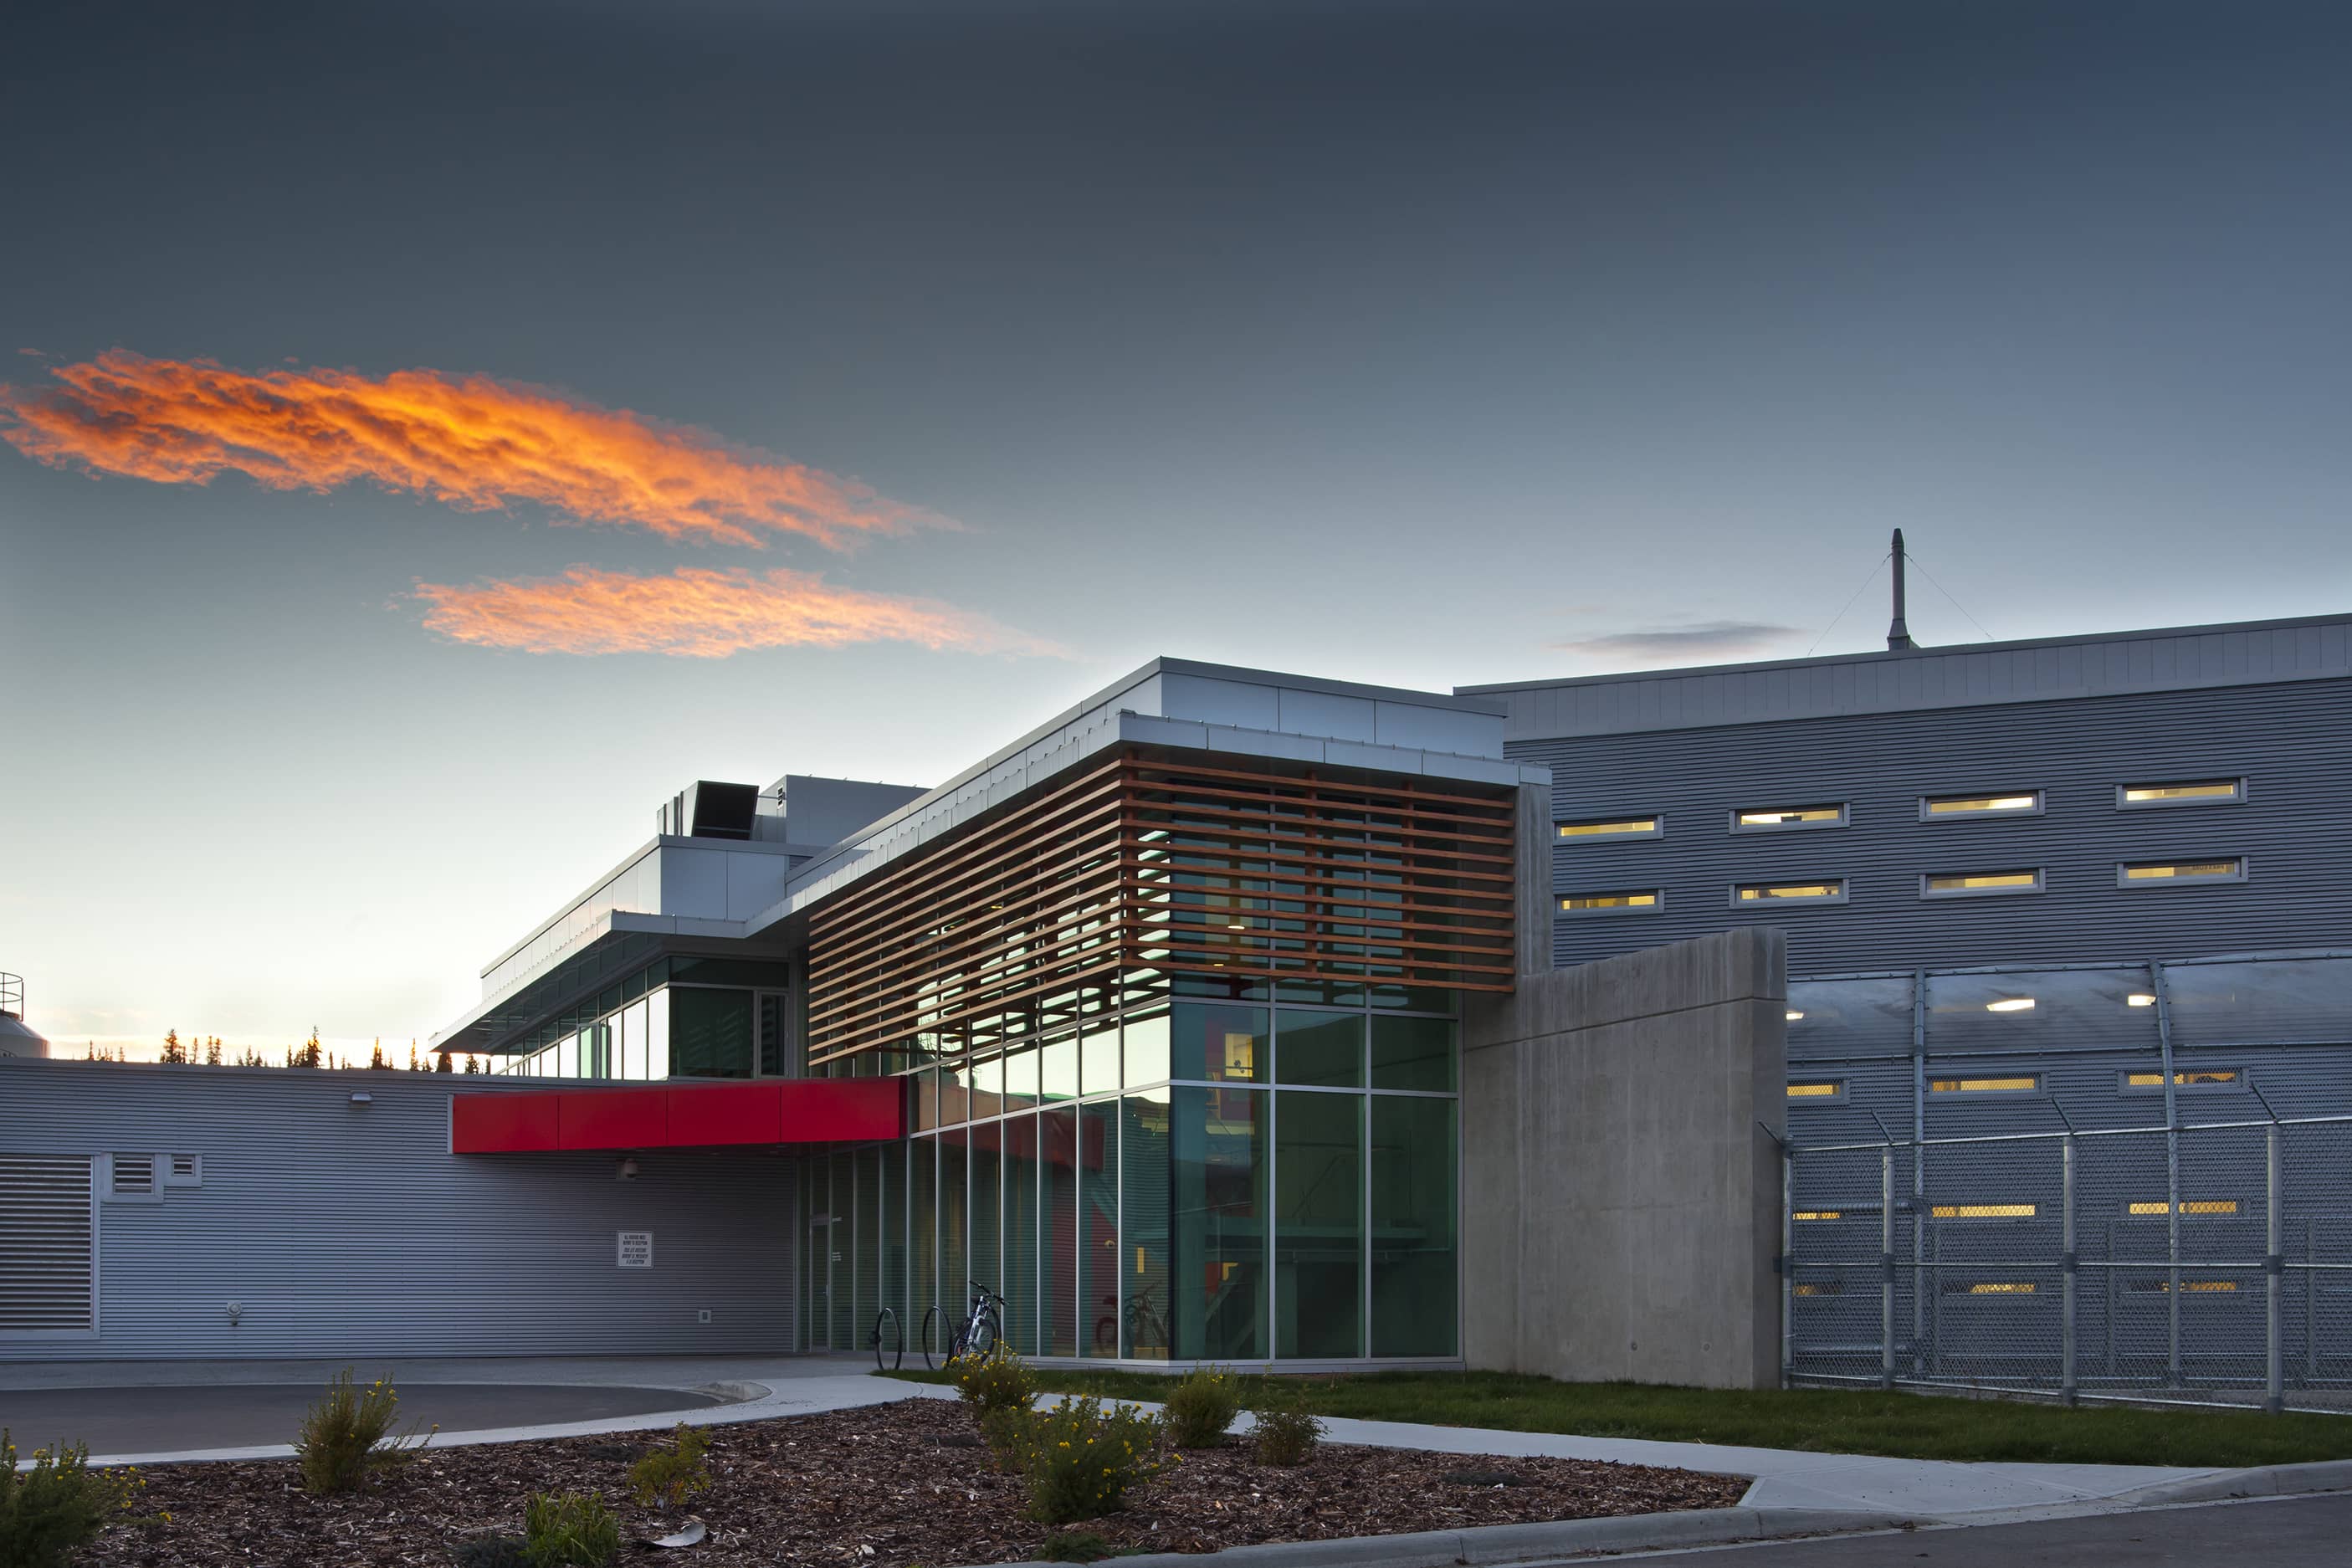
(637, 1248)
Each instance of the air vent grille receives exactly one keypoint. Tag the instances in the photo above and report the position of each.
(46, 1266)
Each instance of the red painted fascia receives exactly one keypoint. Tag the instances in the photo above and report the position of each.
(703, 1116)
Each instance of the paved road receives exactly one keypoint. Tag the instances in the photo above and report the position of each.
(237, 1416)
(2282, 1533)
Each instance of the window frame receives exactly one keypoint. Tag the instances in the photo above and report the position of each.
(1656, 819)
(1657, 906)
(2237, 796)
(1844, 819)
(2040, 1089)
(1844, 895)
(2041, 884)
(2238, 1085)
(2039, 807)
(2124, 880)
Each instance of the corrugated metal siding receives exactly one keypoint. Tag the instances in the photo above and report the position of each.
(350, 1230)
(2287, 739)
(2041, 671)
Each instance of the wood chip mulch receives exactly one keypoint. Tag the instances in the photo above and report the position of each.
(888, 1486)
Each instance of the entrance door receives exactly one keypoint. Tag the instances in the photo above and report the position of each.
(774, 1016)
(820, 1271)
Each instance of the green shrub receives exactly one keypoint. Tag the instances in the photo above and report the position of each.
(348, 1433)
(1076, 1546)
(1076, 1459)
(569, 1529)
(668, 1476)
(1202, 1405)
(999, 1380)
(59, 1505)
(1285, 1434)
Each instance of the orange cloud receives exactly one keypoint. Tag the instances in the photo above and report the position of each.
(700, 613)
(468, 441)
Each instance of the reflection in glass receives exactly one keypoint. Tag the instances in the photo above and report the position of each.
(710, 1032)
(1218, 1043)
(1217, 1196)
(954, 1270)
(1412, 1053)
(1319, 1048)
(1413, 1251)
(987, 1264)
(1141, 1321)
(1020, 1287)
(1319, 1220)
(1147, 1049)
(1057, 1131)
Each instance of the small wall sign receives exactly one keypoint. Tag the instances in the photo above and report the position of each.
(637, 1248)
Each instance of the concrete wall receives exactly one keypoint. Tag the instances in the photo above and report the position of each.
(1620, 1194)
(344, 1230)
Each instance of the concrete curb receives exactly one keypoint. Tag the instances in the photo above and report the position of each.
(2263, 1481)
(1503, 1543)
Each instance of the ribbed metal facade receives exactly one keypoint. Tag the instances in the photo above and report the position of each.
(2286, 738)
(344, 1230)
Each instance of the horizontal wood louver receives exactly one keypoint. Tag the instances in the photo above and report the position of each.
(47, 1261)
(1137, 863)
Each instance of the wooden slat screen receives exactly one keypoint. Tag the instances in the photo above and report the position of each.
(1145, 863)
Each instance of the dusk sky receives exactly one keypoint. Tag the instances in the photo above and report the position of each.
(432, 435)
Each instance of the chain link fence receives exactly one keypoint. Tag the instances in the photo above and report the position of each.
(2208, 1264)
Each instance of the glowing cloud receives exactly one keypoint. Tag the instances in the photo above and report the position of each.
(700, 613)
(468, 441)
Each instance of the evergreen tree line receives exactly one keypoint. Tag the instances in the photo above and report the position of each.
(198, 1050)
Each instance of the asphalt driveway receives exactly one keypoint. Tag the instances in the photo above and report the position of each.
(237, 1416)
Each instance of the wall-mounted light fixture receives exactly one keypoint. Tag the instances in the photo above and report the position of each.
(362, 1097)
(627, 1169)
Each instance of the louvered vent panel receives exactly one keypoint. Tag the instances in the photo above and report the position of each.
(45, 1269)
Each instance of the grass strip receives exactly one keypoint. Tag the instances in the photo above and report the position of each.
(1820, 1420)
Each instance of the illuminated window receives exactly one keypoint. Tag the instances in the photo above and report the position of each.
(2176, 873)
(1773, 818)
(1614, 827)
(2159, 1208)
(1988, 1287)
(1967, 884)
(2024, 1084)
(2139, 999)
(2187, 1286)
(2187, 1078)
(1819, 1288)
(1984, 1211)
(1623, 902)
(1944, 807)
(1818, 1213)
(2184, 792)
(1831, 1088)
(1829, 891)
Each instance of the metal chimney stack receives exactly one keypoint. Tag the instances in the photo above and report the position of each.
(1898, 636)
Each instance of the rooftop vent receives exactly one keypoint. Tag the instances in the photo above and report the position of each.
(15, 1039)
(707, 810)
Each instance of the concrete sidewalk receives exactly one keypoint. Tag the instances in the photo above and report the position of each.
(762, 1388)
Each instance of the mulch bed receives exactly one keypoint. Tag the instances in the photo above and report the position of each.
(887, 1486)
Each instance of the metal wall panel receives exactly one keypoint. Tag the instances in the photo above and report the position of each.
(2294, 830)
(350, 1230)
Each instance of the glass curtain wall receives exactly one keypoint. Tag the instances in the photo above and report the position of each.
(1234, 1177)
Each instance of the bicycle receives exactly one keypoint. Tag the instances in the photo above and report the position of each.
(982, 1330)
(887, 1357)
(1144, 1325)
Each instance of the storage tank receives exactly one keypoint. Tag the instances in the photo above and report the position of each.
(15, 1039)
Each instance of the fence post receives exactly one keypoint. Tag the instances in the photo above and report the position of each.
(2273, 1377)
(1787, 1265)
(1886, 1265)
(2157, 982)
(2067, 1381)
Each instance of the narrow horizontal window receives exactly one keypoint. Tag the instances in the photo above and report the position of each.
(1818, 1213)
(1819, 1288)
(2187, 1286)
(1621, 901)
(1831, 891)
(1829, 1088)
(2187, 1078)
(1985, 1210)
(2022, 1083)
(1988, 1287)
(2177, 873)
(1971, 884)
(2183, 792)
(1943, 807)
(2159, 1208)
(1770, 819)
(1614, 827)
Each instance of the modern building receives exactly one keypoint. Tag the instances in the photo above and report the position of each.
(1239, 1017)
